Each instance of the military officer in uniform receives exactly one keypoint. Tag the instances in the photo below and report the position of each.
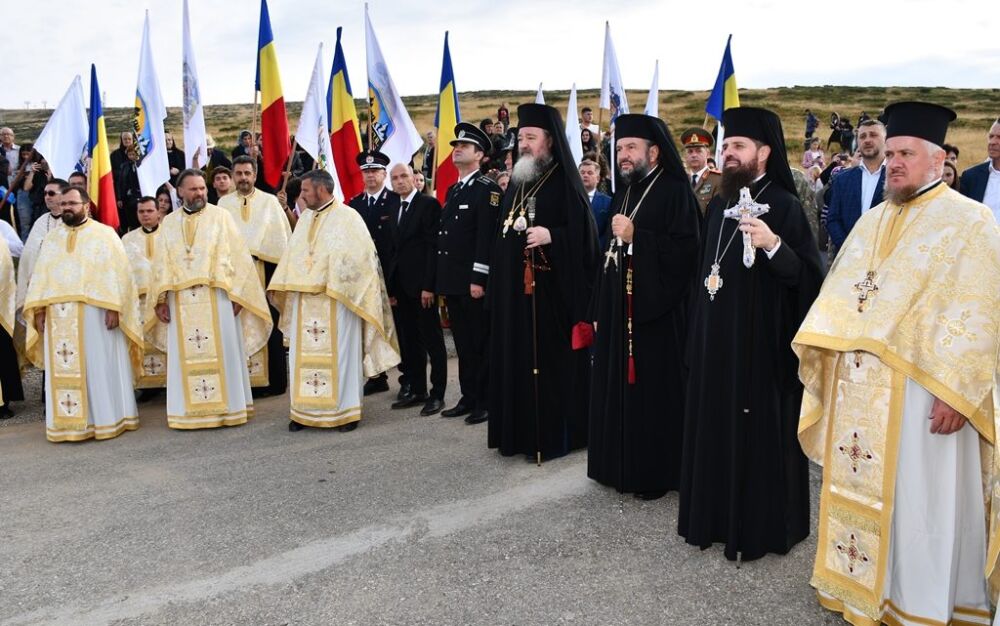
(377, 206)
(704, 179)
(465, 240)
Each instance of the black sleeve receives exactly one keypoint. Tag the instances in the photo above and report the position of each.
(429, 231)
(487, 209)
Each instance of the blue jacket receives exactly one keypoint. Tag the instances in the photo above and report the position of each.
(974, 180)
(601, 207)
(845, 202)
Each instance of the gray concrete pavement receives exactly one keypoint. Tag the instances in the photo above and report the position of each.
(406, 520)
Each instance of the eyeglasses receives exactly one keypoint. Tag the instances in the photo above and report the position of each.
(51, 193)
(69, 204)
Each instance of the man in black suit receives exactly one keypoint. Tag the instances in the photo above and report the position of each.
(982, 182)
(465, 240)
(377, 206)
(411, 284)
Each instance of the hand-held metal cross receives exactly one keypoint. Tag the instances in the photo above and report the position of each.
(746, 206)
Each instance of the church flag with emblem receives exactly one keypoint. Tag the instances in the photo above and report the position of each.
(313, 136)
(445, 120)
(390, 129)
(613, 95)
(195, 137)
(153, 167)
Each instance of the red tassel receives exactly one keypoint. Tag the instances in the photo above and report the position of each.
(529, 279)
(631, 370)
(582, 335)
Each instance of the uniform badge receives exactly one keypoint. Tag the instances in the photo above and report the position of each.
(369, 159)
(494, 198)
(461, 134)
(706, 189)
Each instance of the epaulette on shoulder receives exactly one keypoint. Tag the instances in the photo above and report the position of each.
(484, 179)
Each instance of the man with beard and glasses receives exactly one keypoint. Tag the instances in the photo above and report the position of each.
(266, 230)
(640, 316)
(744, 480)
(541, 279)
(898, 352)
(854, 191)
(85, 329)
(206, 291)
(334, 310)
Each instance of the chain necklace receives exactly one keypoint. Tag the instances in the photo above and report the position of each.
(713, 282)
(521, 223)
(612, 254)
(313, 233)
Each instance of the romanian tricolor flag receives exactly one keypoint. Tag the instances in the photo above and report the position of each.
(273, 120)
(345, 131)
(100, 184)
(724, 95)
(445, 120)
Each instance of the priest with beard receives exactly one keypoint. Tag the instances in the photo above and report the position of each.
(744, 479)
(545, 259)
(640, 316)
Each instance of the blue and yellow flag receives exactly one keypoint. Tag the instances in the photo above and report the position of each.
(724, 95)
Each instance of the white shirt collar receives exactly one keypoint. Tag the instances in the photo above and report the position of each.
(409, 199)
(993, 171)
(878, 170)
(757, 180)
(591, 194)
(376, 196)
(700, 172)
(465, 180)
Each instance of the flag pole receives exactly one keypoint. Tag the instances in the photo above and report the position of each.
(288, 166)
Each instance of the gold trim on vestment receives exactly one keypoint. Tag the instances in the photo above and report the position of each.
(316, 371)
(855, 535)
(98, 433)
(191, 422)
(200, 352)
(257, 363)
(333, 420)
(891, 615)
(67, 368)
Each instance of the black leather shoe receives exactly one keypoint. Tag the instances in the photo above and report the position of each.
(376, 385)
(6, 412)
(432, 406)
(294, 426)
(145, 395)
(346, 428)
(405, 390)
(650, 495)
(477, 417)
(412, 399)
(457, 411)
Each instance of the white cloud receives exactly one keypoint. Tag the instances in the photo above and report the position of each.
(510, 45)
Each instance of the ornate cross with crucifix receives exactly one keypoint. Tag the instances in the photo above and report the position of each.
(747, 207)
(866, 289)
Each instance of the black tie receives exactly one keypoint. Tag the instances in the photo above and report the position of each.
(402, 210)
(694, 180)
(371, 201)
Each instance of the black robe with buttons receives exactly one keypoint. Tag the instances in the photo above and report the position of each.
(636, 429)
(745, 480)
(562, 296)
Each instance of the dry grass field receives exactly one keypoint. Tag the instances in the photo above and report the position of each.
(976, 108)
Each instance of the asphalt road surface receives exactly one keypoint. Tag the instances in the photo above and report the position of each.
(407, 520)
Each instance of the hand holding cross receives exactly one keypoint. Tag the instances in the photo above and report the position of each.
(747, 207)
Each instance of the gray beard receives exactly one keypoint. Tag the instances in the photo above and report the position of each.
(195, 206)
(528, 169)
(637, 173)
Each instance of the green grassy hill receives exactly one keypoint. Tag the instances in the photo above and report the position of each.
(976, 108)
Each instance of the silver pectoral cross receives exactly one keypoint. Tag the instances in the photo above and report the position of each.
(746, 206)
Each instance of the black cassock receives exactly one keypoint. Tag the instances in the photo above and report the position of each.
(745, 480)
(10, 373)
(664, 257)
(562, 295)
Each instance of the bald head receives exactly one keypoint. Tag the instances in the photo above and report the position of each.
(401, 179)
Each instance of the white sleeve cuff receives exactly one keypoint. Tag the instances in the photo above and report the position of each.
(770, 253)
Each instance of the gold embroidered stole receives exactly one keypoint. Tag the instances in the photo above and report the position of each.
(141, 248)
(257, 362)
(67, 370)
(200, 350)
(859, 480)
(316, 375)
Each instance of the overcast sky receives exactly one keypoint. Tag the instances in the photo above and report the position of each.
(511, 44)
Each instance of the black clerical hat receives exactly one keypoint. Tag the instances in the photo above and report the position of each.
(763, 126)
(655, 130)
(918, 119)
(372, 159)
(537, 116)
(470, 133)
